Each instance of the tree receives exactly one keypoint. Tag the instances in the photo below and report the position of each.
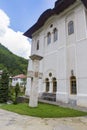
(4, 87)
(14, 64)
(17, 90)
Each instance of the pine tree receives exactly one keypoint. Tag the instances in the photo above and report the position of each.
(17, 90)
(4, 87)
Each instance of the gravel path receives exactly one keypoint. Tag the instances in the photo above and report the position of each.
(13, 121)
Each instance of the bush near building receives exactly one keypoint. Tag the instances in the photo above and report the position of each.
(4, 87)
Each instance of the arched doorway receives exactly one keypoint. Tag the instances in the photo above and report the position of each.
(47, 84)
(54, 85)
(73, 85)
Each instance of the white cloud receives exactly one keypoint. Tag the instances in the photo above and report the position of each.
(51, 3)
(14, 41)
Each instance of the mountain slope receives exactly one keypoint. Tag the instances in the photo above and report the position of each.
(13, 63)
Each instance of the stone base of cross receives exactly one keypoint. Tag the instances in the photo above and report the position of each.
(34, 75)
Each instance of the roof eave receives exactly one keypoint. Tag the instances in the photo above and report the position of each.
(85, 3)
(59, 7)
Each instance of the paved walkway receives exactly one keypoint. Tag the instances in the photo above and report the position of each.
(13, 121)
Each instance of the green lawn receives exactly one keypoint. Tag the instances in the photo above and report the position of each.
(43, 110)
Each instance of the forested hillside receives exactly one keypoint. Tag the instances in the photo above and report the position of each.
(13, 63)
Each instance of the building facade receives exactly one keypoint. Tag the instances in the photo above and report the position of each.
(20, 79)
(60, 37)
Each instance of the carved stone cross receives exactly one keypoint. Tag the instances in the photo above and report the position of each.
(32, 74)
(35, 75)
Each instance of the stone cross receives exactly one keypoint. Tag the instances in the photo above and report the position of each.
(34, 75)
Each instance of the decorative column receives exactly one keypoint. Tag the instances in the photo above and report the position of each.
(35, 75)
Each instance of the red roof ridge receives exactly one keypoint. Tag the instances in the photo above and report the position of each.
(22, 76)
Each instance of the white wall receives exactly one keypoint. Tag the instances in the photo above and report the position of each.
(82, 72)
(68, 53)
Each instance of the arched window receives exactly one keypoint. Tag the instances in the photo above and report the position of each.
(54, 85)
(73, 85)
(37, 45)
(55, 34)
(48, 38)
(70, 27)
(47, 84)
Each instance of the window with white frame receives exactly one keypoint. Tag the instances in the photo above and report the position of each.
(47, 84)
(37, 47)
(55, 34)
(54, 84)
(70, 27)
(48, 38)
(73, 85)
(86, 20)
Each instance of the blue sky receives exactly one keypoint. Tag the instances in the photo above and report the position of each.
(16, 17)
(24, 13)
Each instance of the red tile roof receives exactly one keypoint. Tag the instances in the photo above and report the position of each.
(22, 76)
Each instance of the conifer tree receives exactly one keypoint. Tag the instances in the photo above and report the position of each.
(17, 90)
(4, 87)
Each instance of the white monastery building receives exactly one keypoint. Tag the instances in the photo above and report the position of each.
(20, 79)
(60, 37)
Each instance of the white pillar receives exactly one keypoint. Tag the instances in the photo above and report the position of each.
(34, 88)
(33, 102)
(28, 85)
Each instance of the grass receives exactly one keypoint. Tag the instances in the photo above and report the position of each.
(43, 110)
